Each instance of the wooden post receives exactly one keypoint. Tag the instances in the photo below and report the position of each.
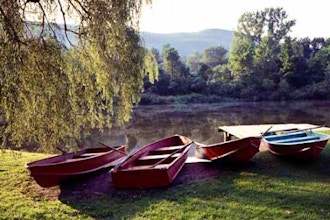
(227, 136)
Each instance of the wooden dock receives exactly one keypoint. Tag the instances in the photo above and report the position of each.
(242, 131)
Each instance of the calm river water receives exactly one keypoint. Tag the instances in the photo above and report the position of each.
(200, 121)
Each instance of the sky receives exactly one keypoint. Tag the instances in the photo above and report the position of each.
(170, 16)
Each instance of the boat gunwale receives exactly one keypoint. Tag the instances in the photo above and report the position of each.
(140, 152)
(43, 163)
(165, 166)
(199, 145)
(322, 137)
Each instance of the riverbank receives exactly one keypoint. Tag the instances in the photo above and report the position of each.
(193, 98)
(268, 187)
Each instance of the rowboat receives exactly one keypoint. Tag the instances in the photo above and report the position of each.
(53, 171)
(154, 165)
(296, 145)
(240, 150)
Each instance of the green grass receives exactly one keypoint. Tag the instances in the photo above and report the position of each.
(268, 188)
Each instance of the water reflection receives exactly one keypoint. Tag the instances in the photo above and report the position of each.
(199, 121)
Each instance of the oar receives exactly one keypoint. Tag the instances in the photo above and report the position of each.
(263, 134)
(112, 148)
(162, 160)
(306, 129)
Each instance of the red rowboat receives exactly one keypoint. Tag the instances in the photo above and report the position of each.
(52, 171)
(154, 165)
(241, 150)
(297, 145)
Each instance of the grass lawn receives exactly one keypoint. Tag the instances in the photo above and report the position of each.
(267, 188)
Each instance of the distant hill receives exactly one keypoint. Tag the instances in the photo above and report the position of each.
(187, 43)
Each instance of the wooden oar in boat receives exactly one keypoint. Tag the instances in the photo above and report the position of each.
(111, 147)
(178, 150)
(306, 129)
(289, 131)
(265, 132)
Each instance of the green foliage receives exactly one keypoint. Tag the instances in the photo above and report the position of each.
(204, 71)
(318, 65)
(199, 85)
(294, 64)
(161, 85)
(172, 63)
(193, 62)
(214, 56)
(257, 42)
(221, 73)
(241, 57)
(51, 96)
(34, 93)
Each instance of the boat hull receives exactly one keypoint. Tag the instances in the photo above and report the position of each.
(241, 150)
(298, 145)
(135, 173)
(53, 171)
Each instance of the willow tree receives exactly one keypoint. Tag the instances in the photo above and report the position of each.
(52, 94)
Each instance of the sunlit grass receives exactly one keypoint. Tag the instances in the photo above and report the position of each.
(270, 188)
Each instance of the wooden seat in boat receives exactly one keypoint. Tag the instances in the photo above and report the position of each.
(158, 157)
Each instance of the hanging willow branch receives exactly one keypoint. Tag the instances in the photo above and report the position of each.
(53, 94)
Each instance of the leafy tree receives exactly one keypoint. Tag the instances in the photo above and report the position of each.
(193, 62)
(214, 56)
(51, 96)
(221, 73)
(256, 48)
(162, 84)
(157, 55)
(241, 56)
(151, 64)
(172, 63)
(311, 47)
(318, 65)
(294, 65)
(199, 85)
(275, 29)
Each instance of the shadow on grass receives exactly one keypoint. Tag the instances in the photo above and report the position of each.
(95, 196)
(282, 166)
(266, 186)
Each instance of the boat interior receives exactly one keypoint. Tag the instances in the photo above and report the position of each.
(158, 157)
(286, 136)
(296, 137)
(299, 140)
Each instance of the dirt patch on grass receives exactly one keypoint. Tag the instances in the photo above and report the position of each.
(31, 188)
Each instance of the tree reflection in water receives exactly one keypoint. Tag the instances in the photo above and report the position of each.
(200, 121)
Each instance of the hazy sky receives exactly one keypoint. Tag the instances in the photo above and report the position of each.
(168, 16)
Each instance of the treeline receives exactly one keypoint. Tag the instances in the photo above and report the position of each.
(264, 63)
